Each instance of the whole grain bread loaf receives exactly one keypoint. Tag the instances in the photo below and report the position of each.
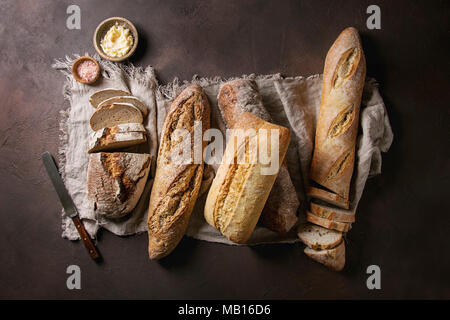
(176, 186)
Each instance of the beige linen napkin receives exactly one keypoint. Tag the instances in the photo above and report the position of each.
(291, 102)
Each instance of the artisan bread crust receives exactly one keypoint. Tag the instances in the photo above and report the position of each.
(116, 181)
(176, 187)
(239, 191)
(329, 197)
(331, 258)
(239, 96)
(329, 224)
(337, 125)
(332, 214)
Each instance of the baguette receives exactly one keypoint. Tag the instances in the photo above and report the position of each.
(331, 258)
(240, 190)
(239, 96)
(337, 124)
(332, 214)
(116, 181)
(120, 136)
(317, 237)
(114, 114)
(329, 197)
(176, 186)
(333, 225)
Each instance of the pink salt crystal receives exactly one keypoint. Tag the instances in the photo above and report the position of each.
(87, 70)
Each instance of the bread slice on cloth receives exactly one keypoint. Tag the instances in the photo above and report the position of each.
(317, 237)
(105, 94)
(116, 181)
(331, 258)
(339, 226)
(120, 136)
(114, 114)
(126, 99)
(327, 196)
(333, 214)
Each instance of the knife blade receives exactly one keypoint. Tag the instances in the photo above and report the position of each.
(67, 202)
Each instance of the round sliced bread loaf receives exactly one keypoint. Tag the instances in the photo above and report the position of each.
(331, 258)
(104, 94)
(114, 114)
(339, 226)
(327, 196)
(333, 214)
(126, 99)
(317, 237)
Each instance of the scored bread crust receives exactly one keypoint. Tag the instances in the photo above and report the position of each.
(114, 114)
(120, 136)
(239, 190)
(331, 258)
(337, 125)
(236, 97)
(101, 95)
(329, 224)
(176, 186)
(126, 99)
(333, 214)
(116, 181)
(329, 197)
(317, 237)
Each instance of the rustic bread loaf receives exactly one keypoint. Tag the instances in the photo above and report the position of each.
(327, 196)
(104, 94)
(126, 99)
(329, 224)
(317, 237)
(334, 214)
(116, 181)
(176, 186)
(114, 114)
(331, 258)
(337, 124)
(241, 187)
(120, 136)
(239, 96)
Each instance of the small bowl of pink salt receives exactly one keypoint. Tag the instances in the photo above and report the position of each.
(86, 70)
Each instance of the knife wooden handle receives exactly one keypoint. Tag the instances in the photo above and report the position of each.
(85, 238)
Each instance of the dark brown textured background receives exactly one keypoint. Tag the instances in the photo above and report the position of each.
(403, 219)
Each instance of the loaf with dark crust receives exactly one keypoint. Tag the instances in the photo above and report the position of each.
(337, 124)
(176, 186)
(239, 96)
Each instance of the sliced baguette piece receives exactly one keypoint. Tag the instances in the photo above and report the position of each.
(116, 181)
(331, 258)
(114, 114)
(333, 214)
(105, 94)
(126, 99)
(327, 196)
(317, 237)
(120, 136)
(339, 226)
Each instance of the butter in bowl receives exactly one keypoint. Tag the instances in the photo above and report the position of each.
(115, 39)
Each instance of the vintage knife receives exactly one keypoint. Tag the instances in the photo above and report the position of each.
(67, 203)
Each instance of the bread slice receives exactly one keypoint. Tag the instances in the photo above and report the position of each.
(317, 237)
(120, 136)
(105, 94)
(339, 226)
(327, 196)
(116, 181)
(114, 114)
(331, 258)
(126, 99)
(333, 214)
